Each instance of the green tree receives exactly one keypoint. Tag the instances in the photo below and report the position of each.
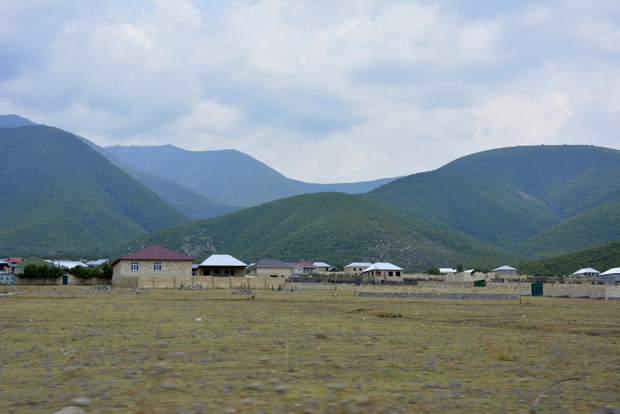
(42, 272)
(433, 271)
(460, 268)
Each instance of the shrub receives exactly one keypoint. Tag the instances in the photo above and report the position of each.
(42, 272)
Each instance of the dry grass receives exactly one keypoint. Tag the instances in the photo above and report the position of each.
(303, 352)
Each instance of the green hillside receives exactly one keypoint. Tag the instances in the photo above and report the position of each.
(60, 196)
(229, 176)
(192, 203)
(508, 196)
(600, 258)
(333, 227)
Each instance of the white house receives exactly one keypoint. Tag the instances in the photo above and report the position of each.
(384, 272)
(221, 265)
(586, 272)
(610, 276)
(505, 270)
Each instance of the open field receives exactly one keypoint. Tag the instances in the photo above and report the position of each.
(177, 351)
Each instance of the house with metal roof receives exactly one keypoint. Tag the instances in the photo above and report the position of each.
(505, 270)
(322, 267)
(356, 268)
(270, 268)
(384, 272)
(302, 268)
(221, 265)
(586, 272)
(152, 266)
(610, 276)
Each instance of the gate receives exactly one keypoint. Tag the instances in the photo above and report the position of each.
(65, 280)
(537, 289)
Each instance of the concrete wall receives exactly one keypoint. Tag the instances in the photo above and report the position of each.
(205, 282)
(270, 271)
(579, 291)
(170, 269)
(71, 280)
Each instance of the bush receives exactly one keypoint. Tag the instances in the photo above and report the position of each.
(84, 273)
(42, 272)
(433, 271)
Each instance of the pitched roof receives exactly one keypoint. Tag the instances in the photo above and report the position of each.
(382, 266)
(154, 252)
(69, 264)
(504, 268)
(271, 263)
(321, 264)
(358, 264)
(586, 270)
(613, 271)
(303, 264)
(222, 260)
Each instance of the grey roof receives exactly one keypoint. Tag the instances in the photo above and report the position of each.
(504, 268)
(358, 264)
(271, 263)
(222, 260)
(613, 271)
(585, 270)
(320, 264)
(382, 266)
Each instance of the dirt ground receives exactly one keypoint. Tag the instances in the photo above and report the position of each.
(172, 351)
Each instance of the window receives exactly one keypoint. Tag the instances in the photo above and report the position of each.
(135, 266)
(390, 273)
(397, 273)
(157, 266)
(207, 272)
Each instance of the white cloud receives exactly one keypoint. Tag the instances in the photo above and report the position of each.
(363, 90)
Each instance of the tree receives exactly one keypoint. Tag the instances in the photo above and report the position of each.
(42, 272)
(460, 268)
(433, 271)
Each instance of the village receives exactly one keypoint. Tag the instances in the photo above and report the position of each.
(156, 267)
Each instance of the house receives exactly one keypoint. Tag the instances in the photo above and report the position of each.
(446, 271)
(152, 266)
(322, 267)
(610, 276)
(68, 264)
(586, 272)
(356, 268)
(221, 265)
(95, 263)
(302, 268)
(5, 267)
(505, 270)
(270, 268)
(384, 272)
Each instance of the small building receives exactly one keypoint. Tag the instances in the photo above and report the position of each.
(446, 271)
(505, 270)
(384, 272)
(68, 264)
(322, 267)
(219, 265)
(152, 266)
(586, 272)
(356, 268)
(610, 276)
(270, 268)
(95, 263)
(301, 268)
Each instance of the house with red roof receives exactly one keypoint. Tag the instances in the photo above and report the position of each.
(153, 266)
(302, 268)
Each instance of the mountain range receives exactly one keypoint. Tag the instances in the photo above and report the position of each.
(509, 205)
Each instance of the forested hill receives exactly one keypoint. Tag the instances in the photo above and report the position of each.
(519, 198)
(229, 176)
(60, 196)
(334, 227)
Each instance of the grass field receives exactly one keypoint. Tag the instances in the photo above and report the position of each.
(308, 352)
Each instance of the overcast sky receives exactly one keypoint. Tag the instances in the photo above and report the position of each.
(320, 90)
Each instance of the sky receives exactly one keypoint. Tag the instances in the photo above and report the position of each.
(322, 91)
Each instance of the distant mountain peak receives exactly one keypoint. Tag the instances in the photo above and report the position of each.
(14, 121)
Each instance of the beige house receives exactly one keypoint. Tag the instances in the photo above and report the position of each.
(356, 268)
(384, 272)
(270, 268)
(221, 265)
(154, 266)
